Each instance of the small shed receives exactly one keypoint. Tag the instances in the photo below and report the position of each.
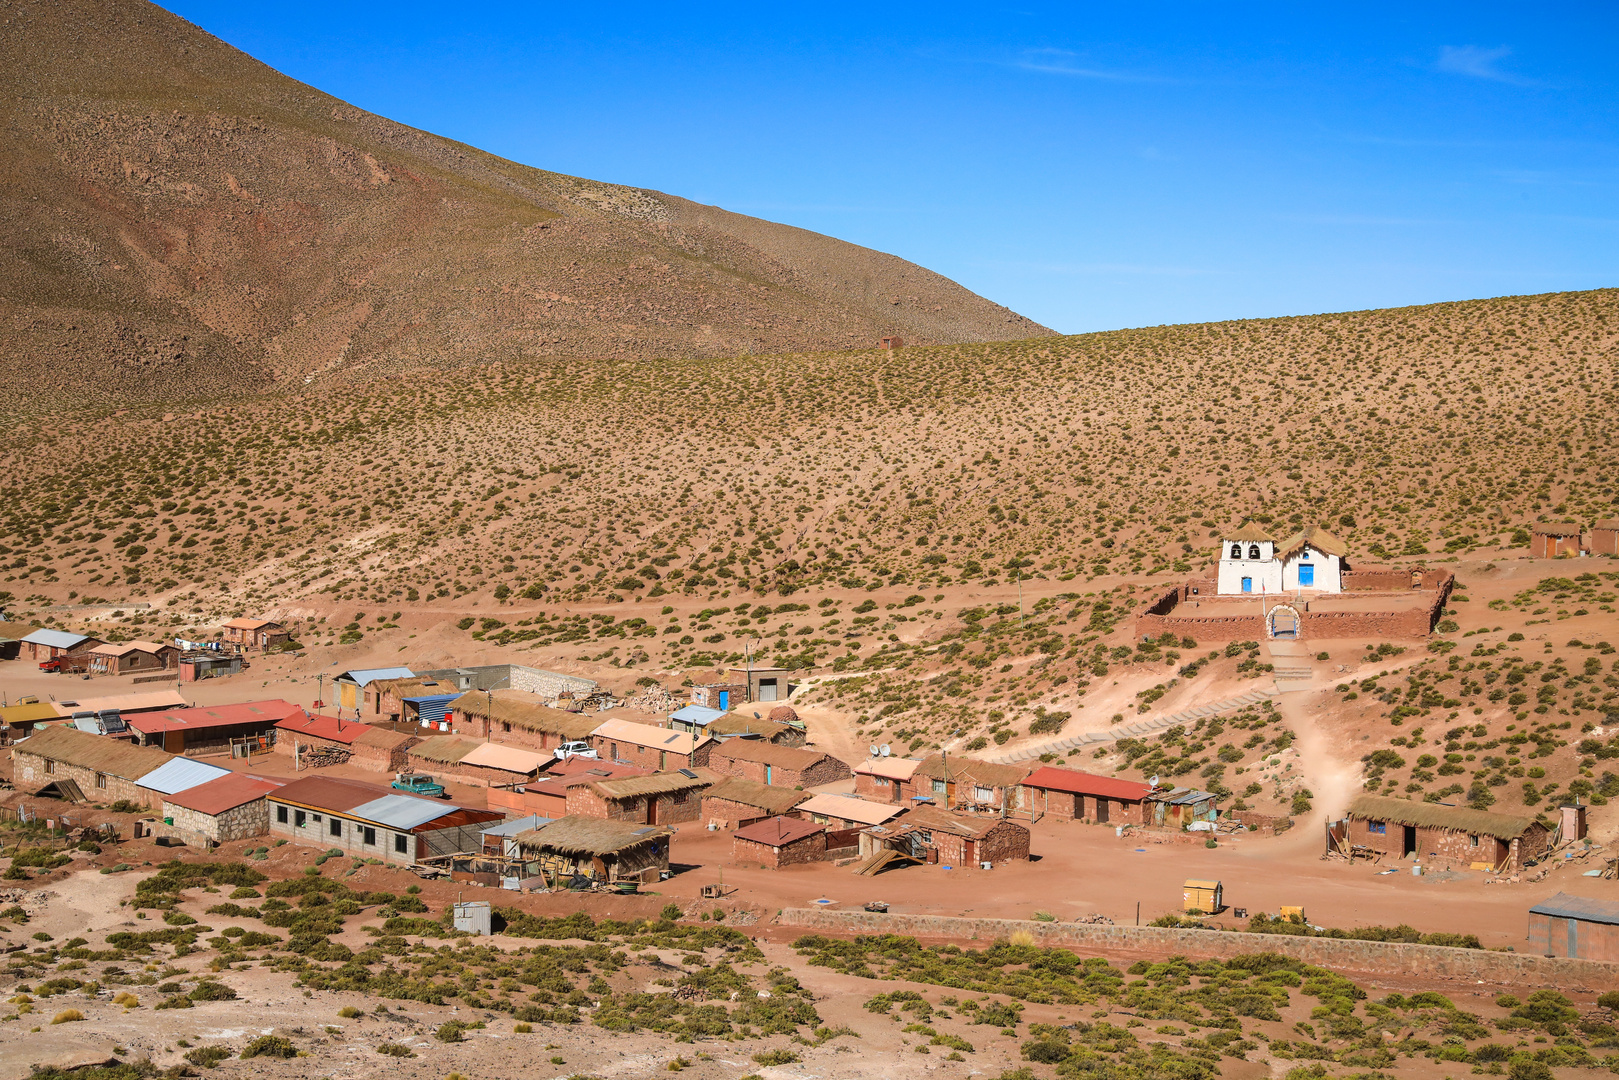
(762, 683)
(598, 848)
(129, 657)
(1403, 828)
(694, 718)
(658, 799)
(779, 841)
(1550, 540)
(501, 839)
(735, 801)
(1605, 537)
(1576, 927)
(1180, 807)
(779, 766)
(231, 807)
(247, 633)
(1202, 897)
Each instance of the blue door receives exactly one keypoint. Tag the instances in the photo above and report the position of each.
(725, 700)
(1247, 584)
(1306, 573)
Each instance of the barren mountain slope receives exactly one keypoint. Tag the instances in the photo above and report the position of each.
(179, 218)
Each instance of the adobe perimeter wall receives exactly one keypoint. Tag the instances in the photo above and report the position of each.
(1371, 957)
(1165, 614)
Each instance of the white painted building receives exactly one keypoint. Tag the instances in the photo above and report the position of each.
(1254, 562)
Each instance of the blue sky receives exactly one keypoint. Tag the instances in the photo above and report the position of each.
(1089, 166)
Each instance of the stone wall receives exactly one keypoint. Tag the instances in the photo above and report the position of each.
(238, 823)
(1372, 957)
(33, 772)
(548, 684)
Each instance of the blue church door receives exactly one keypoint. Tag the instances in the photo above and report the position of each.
(1247, 584)
(1306, 574)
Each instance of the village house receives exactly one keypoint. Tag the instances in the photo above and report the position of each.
(778, 766)
(1550, 540)
(719, 696)
(348, 688)
(131, 657)
(517, 718)
(1179, 807)
(1605, 537)
(650, 747)
(138, 701)
(598, 848)
(1252, 561)
(106, 770)
(885, 779)
(658, 799)
(233, 807)
(371, 748)
(1402, 828)
(261, 634)
(964, 783)
(70, 648)
(214, 728)
(1576, 927)
(174, 776)
(845, 811)
(549, 687)
(197, 665)
(547, 794)
(932, 835)
(19, 721)
(1068, 795)
(11, 636)
(416, 700)
(370, 821)
(782, 727)
(784, 841)
(733, 802)
(489, 764)
(760, 684)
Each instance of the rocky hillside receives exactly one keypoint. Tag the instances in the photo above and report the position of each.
(181, 220)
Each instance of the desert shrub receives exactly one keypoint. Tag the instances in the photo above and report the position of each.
(775, 1057)
(269, 1046)
(67, 1016)
(396, 1050)
(450, 1031)
(208, 1057)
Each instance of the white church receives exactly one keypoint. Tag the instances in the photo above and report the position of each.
(1252, 561)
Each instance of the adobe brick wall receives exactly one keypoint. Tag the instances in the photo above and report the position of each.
(1165, 614)
(811, 848)
(648, 757)
(828, 770)
(876, 789)
(672, 809)
(734, 814)
(708, 694)
(1065, 806)
(1605, 541)
(1369, 957)
(387, 759)
(455, 770)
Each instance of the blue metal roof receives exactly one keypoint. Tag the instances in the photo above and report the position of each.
(431, 709)
(56, 639)
(180, 774)
(402, 811)
(362, 676)
(697, 714)
(1564, 906)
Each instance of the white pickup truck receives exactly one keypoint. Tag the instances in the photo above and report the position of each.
(574, 749)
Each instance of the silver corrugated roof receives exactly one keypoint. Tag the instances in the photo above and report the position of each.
(402, 811)
(696, 714)
(179, 775)
(1564, 906)
(365, 676)
(517, 825)
(56, 639)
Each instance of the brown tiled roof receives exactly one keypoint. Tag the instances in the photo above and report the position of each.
(71, 746)
(778, 831)
(767, 753)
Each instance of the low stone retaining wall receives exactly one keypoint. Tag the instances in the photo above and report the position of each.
(1372, 957)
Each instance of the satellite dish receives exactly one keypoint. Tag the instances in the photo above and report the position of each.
(884, 750)
(874, 750)
(1153, 782)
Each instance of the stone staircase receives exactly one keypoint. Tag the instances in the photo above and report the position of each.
(1140, 728)
(1292, 674)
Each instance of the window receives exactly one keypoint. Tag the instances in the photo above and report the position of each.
(50, 767)
(399, 843)
(1377, 827)
(315, 816)
(1472, 841)
(336, 827)
(612, 751)
(101, 779)
(681, 797)
(820, 819)
(925, 835)
(983, 794)
(940, 789)
(281, 815)
(1253, 551)
(368, 836)
(1236, 551)
(298, 819)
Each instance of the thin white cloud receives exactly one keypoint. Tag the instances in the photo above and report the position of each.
(1478, 63)
(1061, 62)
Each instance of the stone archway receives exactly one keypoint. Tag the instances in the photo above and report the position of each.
(1282, 621)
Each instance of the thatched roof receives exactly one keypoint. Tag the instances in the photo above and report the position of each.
(768, 753)
(963, 770)
(737, 724)
(1251, 531)
(1557, 528)
(445, 748)
(70, 746)
(1315, 536)
(1436, 816)
(590, 836)
(631, 787)
(776, 800)
(526, 711)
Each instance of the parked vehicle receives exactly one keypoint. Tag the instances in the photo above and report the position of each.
(574, 749)
(420, 784)
(53, 666)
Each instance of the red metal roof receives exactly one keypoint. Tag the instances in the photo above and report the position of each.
(215, 716)
(324, 727)
(226, 793)
(1108, 787)
(778, 831)
(333, 793)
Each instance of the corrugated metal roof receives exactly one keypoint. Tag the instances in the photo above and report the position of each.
(848, 808)
(226, 793)
(1052, 778)
(697, 714)
(656, 738)
(402, 811)
(1183, 796)
(889, 768)
(27, 714)
(137, 701)
(180, 774)
(517, 825)
(56, 639)
(204, 717)
(509, 758)
(778, 831)
(1564, 906)
(364, 676)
